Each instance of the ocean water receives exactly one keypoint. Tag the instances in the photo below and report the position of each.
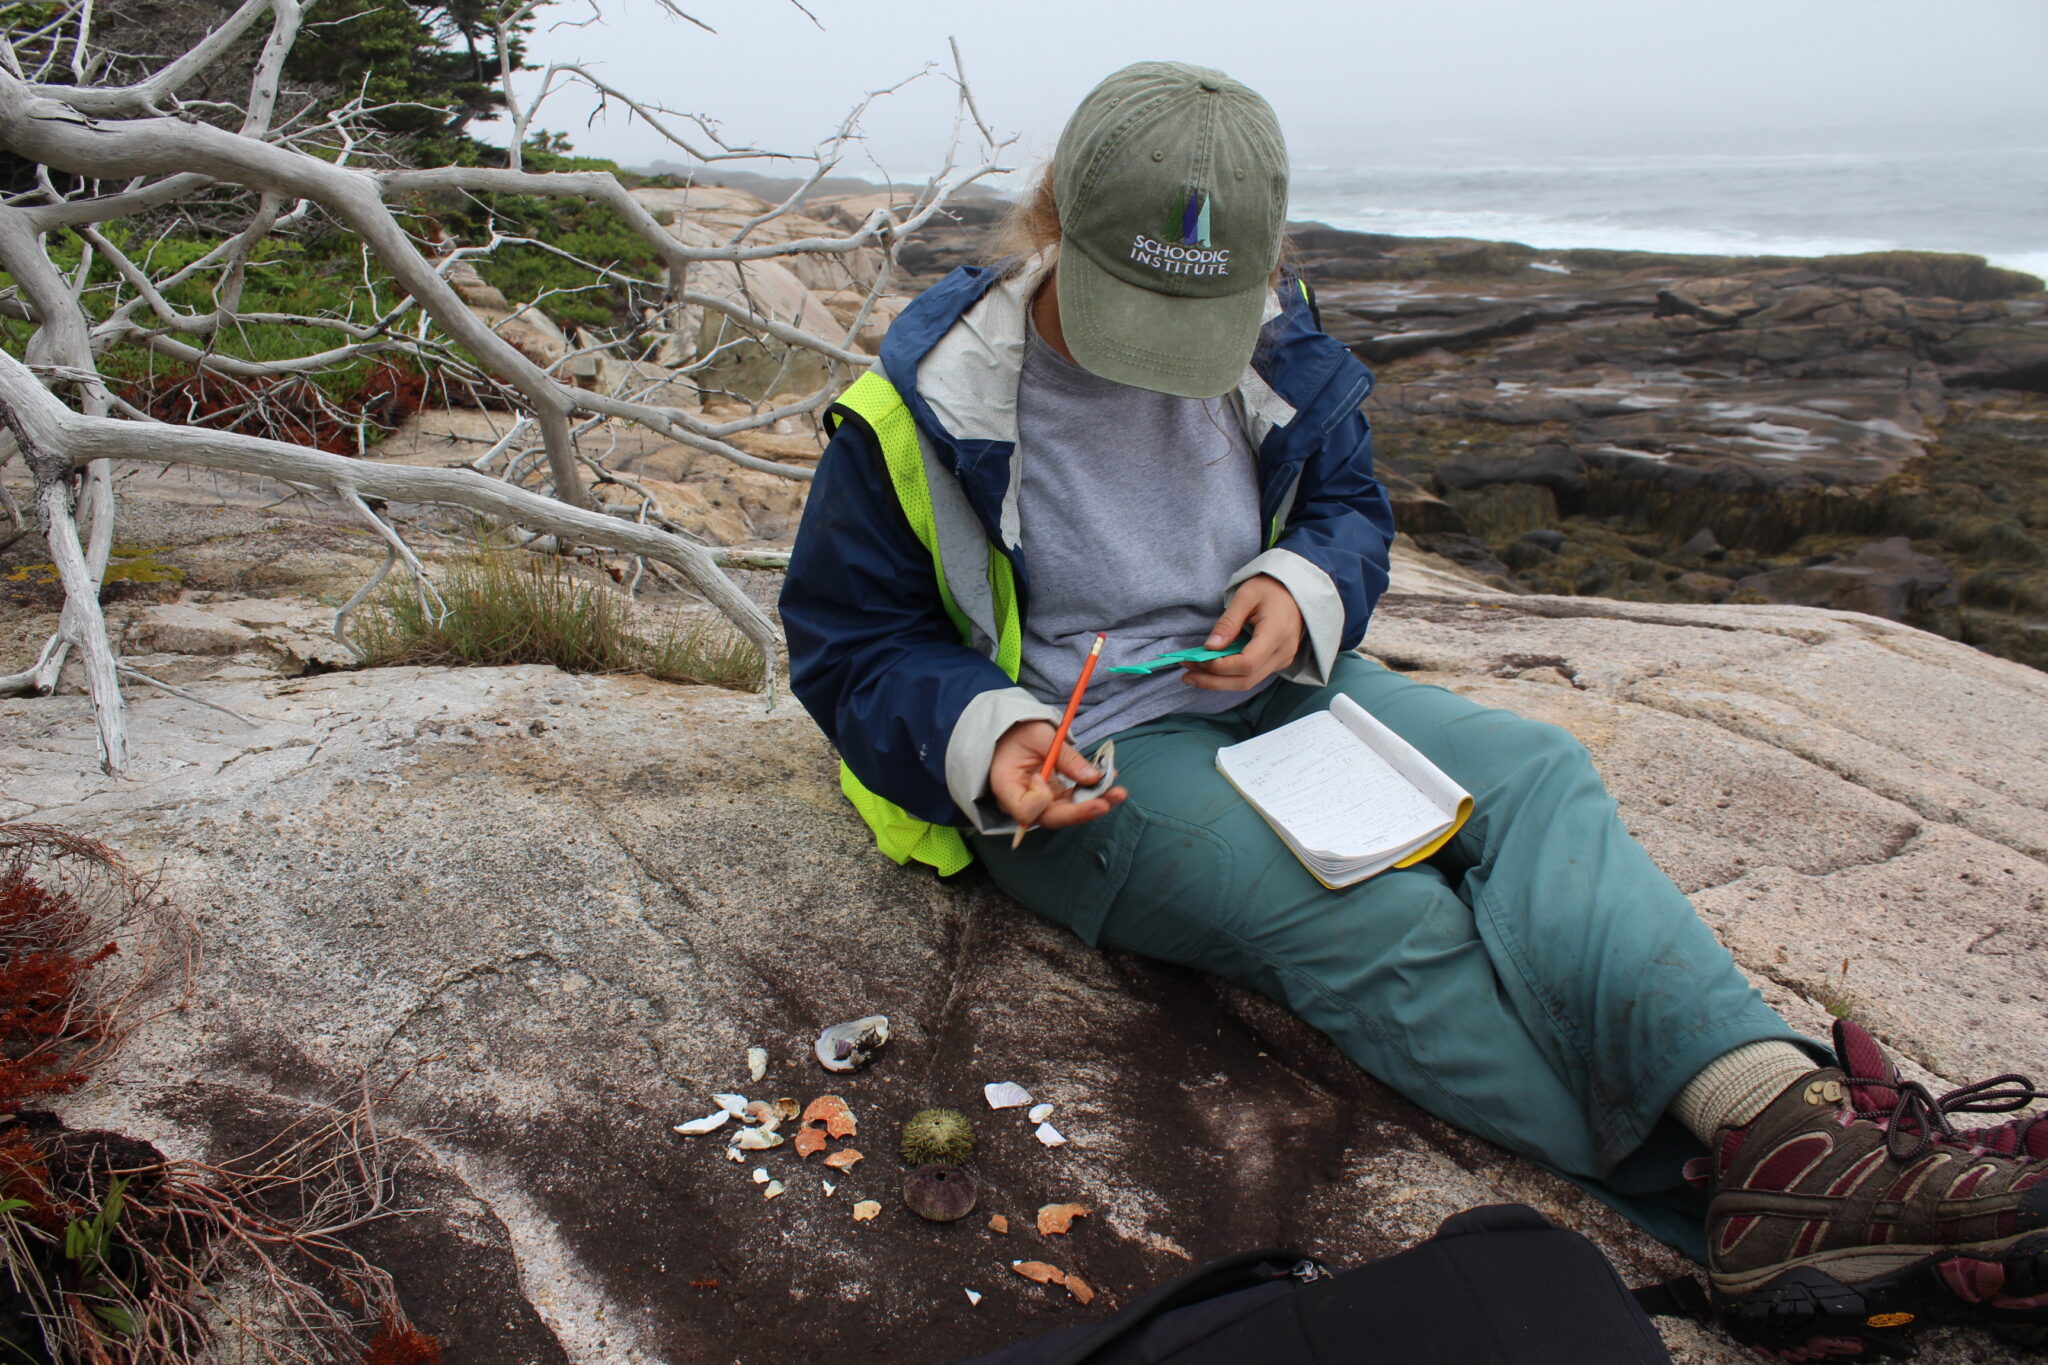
(1986, 197)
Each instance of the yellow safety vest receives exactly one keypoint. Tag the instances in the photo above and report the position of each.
(900, 834)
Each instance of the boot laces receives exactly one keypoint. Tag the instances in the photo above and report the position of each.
(1920, 1119)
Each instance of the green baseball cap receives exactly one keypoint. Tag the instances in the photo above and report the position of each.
(1171, 182)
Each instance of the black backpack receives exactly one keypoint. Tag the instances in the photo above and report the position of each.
(1500, 1285)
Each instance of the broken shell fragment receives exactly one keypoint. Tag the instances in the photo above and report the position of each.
(760, 1175)
(865, 1211)
(1049, 1135)
(709, 1123)
(786, 1109)
(973, 1298)
(851, 1046)
(757, 1063)
(1039, 1113)
(735, 1154)
(809, 1141)
(829, 1187)
(1005, 1095)
(998, 1223)
(940, 1194)
(844, 1159)
(757, 1140)
(736, 1105)
(763, 1113)
(1059, 1217)
(1039, 1271)
(1078, 1287)
(771, 1189)
(830, 1113)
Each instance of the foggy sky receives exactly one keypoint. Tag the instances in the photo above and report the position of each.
(1351, 79)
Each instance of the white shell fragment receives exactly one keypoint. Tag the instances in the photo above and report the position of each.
(829, 1187)
(974, 1298)
(1006, 1095)
(1049, 1135)
(773, 1188)
(757, 1063)
(1039, 1113)
(735, 1154)
(709, 1123)
(736, 1105)
(757, 1140)
(851, 1046)
(760, 1175)
(1104, 760)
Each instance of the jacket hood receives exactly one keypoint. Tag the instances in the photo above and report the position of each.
(955, 353)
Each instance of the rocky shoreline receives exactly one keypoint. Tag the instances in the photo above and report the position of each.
(1859, 432)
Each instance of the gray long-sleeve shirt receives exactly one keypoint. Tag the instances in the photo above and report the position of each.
(1135, 509)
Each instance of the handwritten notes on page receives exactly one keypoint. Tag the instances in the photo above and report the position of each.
(1347, 795)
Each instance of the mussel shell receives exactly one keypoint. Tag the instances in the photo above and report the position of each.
(852, 1045)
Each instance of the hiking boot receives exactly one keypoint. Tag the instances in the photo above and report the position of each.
(1850, 1209)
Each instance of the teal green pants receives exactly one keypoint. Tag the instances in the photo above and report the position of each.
(1538, 982)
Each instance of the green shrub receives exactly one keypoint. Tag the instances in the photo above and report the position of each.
(585, 229)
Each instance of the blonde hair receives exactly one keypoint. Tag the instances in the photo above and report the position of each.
(1033, 224)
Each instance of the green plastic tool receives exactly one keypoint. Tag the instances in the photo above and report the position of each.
(1182, 656)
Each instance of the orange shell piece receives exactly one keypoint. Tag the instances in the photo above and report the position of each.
(1078, 1287)
(1059, 1217)
(843, 1159)
(1041, 1272)
(998, 1223)
(832, 1113)
(807, 1141)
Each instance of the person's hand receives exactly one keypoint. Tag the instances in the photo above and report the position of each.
(1014, 782)
(1264, 606)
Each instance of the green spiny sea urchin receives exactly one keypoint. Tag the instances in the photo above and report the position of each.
(937, 1136)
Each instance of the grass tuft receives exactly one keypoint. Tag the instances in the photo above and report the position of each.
(500, 607)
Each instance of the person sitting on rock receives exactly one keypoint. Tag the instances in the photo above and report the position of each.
(1135, 424)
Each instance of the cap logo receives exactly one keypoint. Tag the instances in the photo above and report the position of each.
(1194, 220)
(1193, 253)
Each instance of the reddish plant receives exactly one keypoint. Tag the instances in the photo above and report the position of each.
(45, 1012)
(401, 1343)
(24, 1175)
(287, 408)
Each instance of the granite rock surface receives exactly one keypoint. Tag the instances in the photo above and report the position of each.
(562, 908)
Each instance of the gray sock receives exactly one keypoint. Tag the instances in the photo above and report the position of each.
(1736, 1086)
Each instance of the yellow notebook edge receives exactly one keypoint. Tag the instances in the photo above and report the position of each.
(1464, 813)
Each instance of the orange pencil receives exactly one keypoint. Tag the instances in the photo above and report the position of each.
(1059, 738)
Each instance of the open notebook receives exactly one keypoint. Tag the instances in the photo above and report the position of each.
(1348, 795)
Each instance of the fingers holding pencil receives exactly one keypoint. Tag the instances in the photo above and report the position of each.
(1034, 802)
(1059, 746)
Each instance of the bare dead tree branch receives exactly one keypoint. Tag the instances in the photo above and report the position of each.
(761, 287)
